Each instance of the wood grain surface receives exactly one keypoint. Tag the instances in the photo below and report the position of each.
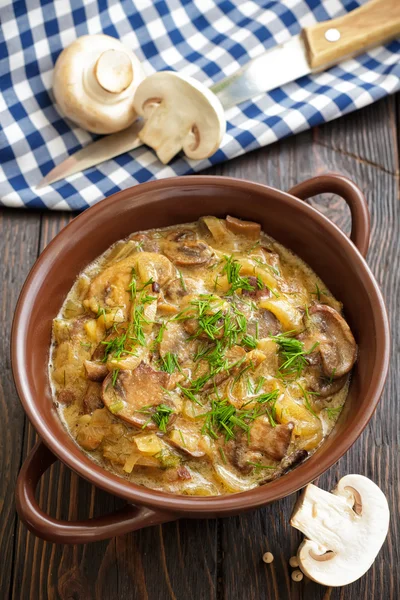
(214, 559)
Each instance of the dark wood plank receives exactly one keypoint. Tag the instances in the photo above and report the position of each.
(19, 238)
(376, 453)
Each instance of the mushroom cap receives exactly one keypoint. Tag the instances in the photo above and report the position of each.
(337, 345)
(94, 82)
(180, 114)
(344, 529)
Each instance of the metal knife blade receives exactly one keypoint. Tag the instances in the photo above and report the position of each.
(273, 68)
(270, 70)
(95, 153)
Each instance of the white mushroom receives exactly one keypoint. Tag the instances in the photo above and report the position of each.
(94, 82)
(180, 114)
(344, 529)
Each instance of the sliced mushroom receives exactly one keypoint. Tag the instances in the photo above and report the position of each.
(327, 387)
(180, 114)
(182, 235)
(344, 530)
(263, 441)
(95, 371)
(92, 399)
(147, 243)
(272, 441)
(248, 229)
(264, 324)
(337, 346)
(132, 391)
(178, 288)
(188, 253)
(111, 287)
(259, 290)
(175, 340)
(288, 462)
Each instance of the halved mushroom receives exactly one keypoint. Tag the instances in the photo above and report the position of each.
(248, 229)
(337, 346)
(344, 530)
(128, 394)
(188, 253)
(180, 114)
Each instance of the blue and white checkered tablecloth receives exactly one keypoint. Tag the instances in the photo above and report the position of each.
(208, 39)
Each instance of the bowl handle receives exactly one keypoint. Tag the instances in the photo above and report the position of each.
(351, 193)
(128, 518)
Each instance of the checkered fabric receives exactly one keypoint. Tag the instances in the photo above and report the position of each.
(207, 39)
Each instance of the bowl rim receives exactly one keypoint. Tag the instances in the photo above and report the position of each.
(210, 505)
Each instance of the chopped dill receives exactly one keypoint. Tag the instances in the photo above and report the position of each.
(169, 363)
(293, 354)
(161, 416)
(114, 377)
(257, 466)
(183, 284)
(307, 401)
(237, 282)
(160, 334)
(189, 394)
(332, 412)
(253, 247)
(259, 384)
(182, 438)
(249, 341)
(222, 453)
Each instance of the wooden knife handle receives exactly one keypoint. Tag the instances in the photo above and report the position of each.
(374, 23)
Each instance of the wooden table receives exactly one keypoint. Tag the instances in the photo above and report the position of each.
(221, 559)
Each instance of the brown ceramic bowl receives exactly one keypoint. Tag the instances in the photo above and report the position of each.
(336, 259)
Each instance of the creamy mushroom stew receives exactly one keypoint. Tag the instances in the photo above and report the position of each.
(200, 359)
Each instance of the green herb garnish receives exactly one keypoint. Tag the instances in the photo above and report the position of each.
(333, 412)
(161, 416)
(116, 407)
(249, 341)
(183, 284)
(307, 401)
(257, 465)
(237, 282)
(293, 354)
(169, 363)
(114, 377)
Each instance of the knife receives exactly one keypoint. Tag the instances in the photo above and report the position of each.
(315, 49)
